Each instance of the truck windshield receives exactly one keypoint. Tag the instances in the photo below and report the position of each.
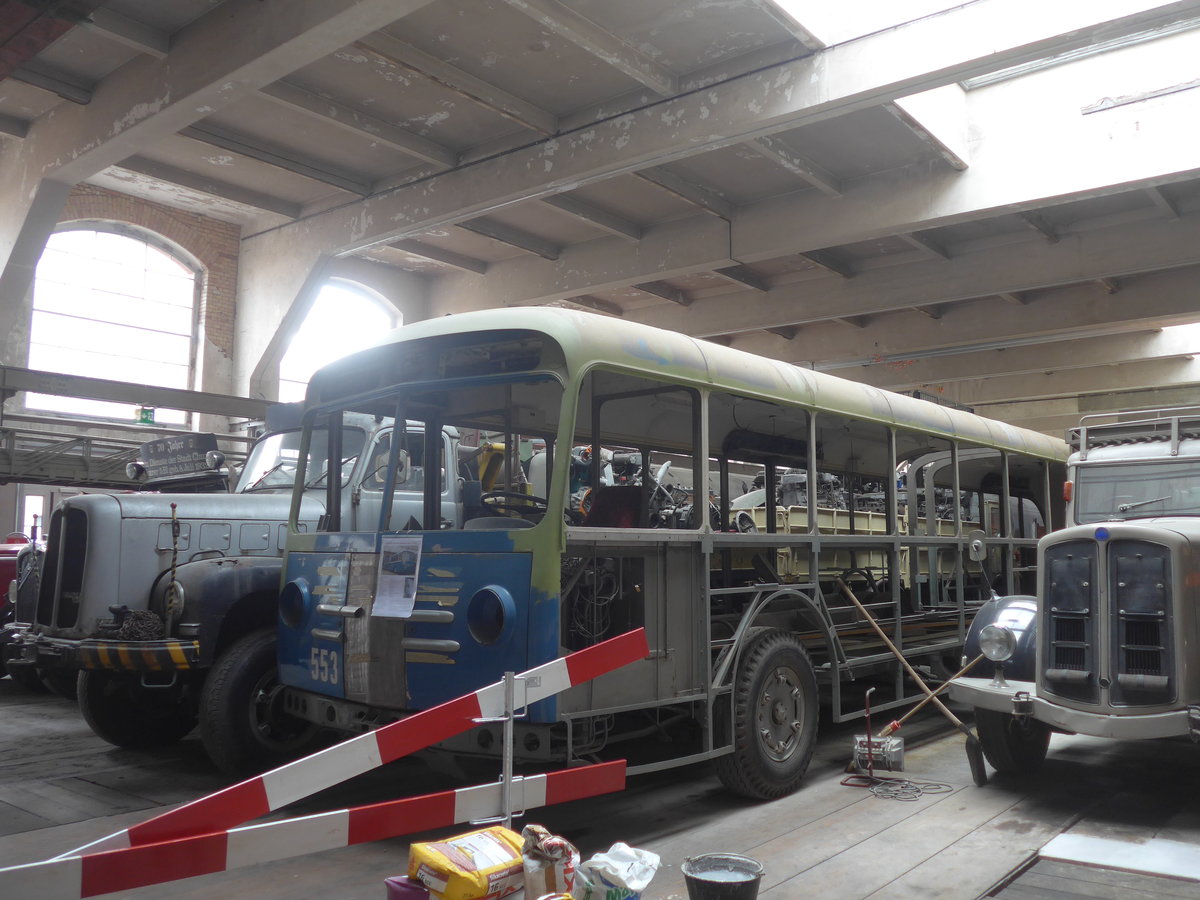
(271, 465)
(1131, 490)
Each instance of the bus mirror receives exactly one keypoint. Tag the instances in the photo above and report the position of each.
(976, 547)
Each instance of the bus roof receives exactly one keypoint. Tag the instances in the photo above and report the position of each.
(589, 339)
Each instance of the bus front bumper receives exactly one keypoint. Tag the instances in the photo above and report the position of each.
(1020, 697)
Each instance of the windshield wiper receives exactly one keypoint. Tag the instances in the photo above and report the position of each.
(265, 475)
(1126, 507)
(317, 479)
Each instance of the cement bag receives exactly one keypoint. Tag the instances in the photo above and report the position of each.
(550, 862)
(479, 865)
(623, 872)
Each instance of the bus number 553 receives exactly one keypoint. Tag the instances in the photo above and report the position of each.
(323, 665)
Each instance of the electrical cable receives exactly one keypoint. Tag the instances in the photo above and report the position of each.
(897, 788)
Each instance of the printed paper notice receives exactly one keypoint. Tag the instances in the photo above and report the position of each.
(399, 561)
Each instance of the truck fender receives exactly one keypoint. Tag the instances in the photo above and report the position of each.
(1018, 613)
(227, 596)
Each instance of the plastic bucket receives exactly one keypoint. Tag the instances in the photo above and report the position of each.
(722, 876)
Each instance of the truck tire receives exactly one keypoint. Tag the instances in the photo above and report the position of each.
(118, 709)
(1014, 746)
(774, 717)
(63, 682)
(243, 729)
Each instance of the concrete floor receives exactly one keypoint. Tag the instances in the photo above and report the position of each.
(60, 787)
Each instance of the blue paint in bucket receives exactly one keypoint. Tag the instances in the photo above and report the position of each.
(722, 876)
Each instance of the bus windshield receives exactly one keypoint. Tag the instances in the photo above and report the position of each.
(1130, 490)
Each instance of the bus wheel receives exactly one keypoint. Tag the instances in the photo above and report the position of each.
(118, 709)
(1013, 745)
(242, 726)
(774, 717)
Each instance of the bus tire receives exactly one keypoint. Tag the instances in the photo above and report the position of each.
(242, 727)
(774, 717)
(118, 709)
(1013, 745)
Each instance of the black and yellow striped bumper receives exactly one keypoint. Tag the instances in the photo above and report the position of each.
(138, 656)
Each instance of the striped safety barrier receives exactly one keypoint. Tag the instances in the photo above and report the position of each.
(76, 877)
(258, 796)
(154, 656)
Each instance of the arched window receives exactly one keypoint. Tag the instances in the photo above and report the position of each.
(343, 318)
(108, 305)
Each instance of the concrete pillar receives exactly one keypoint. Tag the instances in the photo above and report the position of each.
(29, 219)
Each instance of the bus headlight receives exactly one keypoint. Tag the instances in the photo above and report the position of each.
(293, 602)
(490, 614)
(997, 643)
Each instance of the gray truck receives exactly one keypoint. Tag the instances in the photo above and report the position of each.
(166, 604)
(1110, 644)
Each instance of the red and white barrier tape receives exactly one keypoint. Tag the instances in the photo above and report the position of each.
(76, 877)
(258, 796)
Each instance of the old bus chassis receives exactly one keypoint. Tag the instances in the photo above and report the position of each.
(733, 677)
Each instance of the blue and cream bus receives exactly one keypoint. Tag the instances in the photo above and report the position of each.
(748, 634)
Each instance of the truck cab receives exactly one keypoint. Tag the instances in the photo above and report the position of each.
(1110, 644)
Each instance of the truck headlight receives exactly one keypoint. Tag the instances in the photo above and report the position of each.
(997, 643)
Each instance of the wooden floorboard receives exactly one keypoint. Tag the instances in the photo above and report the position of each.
(1056, 879)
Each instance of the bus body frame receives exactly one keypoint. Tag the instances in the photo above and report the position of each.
(743, 624)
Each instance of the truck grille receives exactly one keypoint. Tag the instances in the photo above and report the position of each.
(1137, 623)
(1140, 611)
(62, 570)
(1070, 592)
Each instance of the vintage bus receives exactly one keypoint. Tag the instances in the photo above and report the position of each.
(748, 634)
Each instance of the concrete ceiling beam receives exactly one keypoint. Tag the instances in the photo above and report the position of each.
(594, 215)
(438, 254)
(463, 83)
(129, 32)
(1016, 268)
(216, 60)
(290, 161)
(1145, 375)
(602, 44)
(939, 118)
(900, 374)
(604, 264)
(931, 52)
(357, 122)
(211, 186)
(1150, 301)
(784, 17)
(778, 152)
(513, 237)
(688, 191)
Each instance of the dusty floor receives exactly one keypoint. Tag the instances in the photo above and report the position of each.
(60, 787)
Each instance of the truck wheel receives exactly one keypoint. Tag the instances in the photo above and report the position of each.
(63, 682)
(774, 717)
(243, 728)
(120, 710)
(1014, 746)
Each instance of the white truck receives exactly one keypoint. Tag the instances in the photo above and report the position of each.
(166, 604)
(1110, 646)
